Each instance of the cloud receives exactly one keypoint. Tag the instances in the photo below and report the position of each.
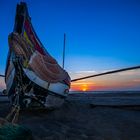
(82, 72)
(122, 80)
(78, 74)
(129, 73)
(136, 80)
(83, 83)
(88, 71)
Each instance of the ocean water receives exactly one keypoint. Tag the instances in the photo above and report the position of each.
(107, 92)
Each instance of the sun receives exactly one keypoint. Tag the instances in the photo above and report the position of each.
(84, 87)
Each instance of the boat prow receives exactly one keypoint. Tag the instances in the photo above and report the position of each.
(31, 68)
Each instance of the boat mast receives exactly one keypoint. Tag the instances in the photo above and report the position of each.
(64, 51)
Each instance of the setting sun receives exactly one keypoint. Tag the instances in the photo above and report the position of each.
(84, 87)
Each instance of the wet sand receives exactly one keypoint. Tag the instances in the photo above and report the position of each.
(77, 119)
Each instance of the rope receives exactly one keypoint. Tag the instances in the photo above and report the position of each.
(16, 115)
(13, 115)
(8, 117)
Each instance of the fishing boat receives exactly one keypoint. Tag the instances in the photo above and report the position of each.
(33, 77)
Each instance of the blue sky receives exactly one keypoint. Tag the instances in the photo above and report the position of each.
(100, 34)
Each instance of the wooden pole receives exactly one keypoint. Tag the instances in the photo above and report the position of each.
(105, 73)
(2, 75)
(63, 65)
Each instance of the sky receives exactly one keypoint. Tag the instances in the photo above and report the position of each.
(101, 35)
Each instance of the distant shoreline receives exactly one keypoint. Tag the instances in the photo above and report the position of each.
(101, 92)
(109, 91)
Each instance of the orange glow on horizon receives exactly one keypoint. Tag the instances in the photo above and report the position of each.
(82, 86)
(89, 86)
(84, 89)
(120, 81)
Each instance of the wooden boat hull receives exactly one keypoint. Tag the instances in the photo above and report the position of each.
(30, 65)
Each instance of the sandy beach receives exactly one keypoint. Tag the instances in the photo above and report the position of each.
(83, 119)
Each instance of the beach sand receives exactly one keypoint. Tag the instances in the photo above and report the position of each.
(80, 120)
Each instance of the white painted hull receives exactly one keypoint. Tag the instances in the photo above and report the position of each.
(57, 88)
